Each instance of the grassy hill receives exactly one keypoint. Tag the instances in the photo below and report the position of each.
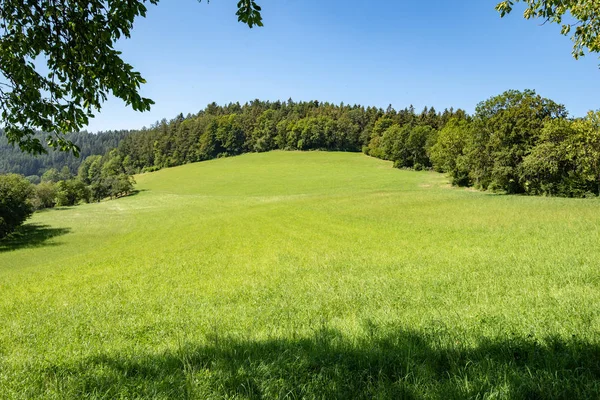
(303, 275)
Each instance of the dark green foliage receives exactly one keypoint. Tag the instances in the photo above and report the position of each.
(44, 195)
(416, 146)
(34, 179)
(219, 131)
(448, 152)
(13, 160)
(106, 176)
(517, 142)
(71, 192)
(249, 13)
(505, 129)
(98, 177)
(52, 176)
(392, 144)
(566, 161)
(376, 149)
(15, 203)
(407, 145)
(264, 136)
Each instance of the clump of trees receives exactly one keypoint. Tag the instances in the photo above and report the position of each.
(519, 142)
(257, 126)
(566, 159)
(98, 177)
(106, 176)
(15, 202)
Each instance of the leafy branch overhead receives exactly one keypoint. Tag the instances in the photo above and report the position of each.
(58, 64)
(249, 13)
(583, 18)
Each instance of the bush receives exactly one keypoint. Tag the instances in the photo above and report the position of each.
(71, 192)
(15, 203)
(33, 179)
(44, 195)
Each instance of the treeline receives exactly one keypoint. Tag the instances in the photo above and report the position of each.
(258, 126)
(13, 160)
(517, 142)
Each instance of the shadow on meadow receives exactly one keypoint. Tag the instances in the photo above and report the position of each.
(31, 235)
(402, 365)
(135, 192)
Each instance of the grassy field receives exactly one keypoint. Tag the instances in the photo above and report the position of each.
(303, 275)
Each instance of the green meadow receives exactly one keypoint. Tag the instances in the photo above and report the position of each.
(303, 275)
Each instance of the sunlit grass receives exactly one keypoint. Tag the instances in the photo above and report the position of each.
(303, 275)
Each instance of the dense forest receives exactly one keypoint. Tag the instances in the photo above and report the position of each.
(517, 142)
(13, 160)
(221, 131)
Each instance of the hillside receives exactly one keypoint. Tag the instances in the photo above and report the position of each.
(289, 274)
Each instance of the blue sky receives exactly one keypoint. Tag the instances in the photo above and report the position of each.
(439, 53)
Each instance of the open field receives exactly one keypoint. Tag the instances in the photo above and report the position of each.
(303, 275)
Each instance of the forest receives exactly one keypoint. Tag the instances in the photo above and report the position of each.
(13, 160)
(517, 143)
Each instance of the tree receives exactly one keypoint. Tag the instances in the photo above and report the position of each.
(587, 151)
(71, 192)
(15, 204)
(392, 145)
(379, 129)
(52, 175)
(417, 144)
(448, 152)
(263, 136)
(90, 169)
(44, 195)
(586, 15)
(76, 40)
(566, 160)
(505, 129)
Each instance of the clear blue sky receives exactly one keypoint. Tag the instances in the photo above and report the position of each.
(438, 53)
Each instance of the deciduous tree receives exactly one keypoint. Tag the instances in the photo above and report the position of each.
(578, 18)
(15, 202)
(75, 40)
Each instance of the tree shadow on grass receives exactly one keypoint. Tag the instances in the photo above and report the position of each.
(402, 365)
(31, 235)
(135, 192)
(54, 209)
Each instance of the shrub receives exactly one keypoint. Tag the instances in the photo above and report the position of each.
(15, 203)
(71, 192)
(44, 195)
